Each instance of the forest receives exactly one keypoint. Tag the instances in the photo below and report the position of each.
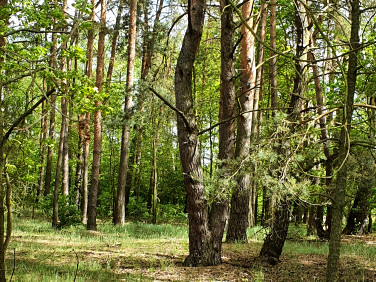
(187, 140)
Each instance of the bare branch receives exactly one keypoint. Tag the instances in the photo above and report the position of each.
(172, 108)
(25, 114)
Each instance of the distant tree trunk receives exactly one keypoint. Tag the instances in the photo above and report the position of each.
(273, 57)
(51, 133)
(84, 121)
(133, 172)
(62, 161)
(43, 137)
(259, 90)
(154, 179)
(339, 190)
(93, 194)
(267, 198)
(120, 201)
(3, 18)
(238, 222)
(311, 227)
(323, 130)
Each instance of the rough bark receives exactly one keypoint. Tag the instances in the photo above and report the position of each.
(339, 190)
(200, 244)
(93, 194)
(120, 201)
(219, 209)
(238, 222)
(275, 240)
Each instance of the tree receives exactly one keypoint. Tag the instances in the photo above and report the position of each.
(239, 221)
(201, 250)
(120, 206)
(93, 194)
(339, 191)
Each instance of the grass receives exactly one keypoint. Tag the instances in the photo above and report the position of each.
(145, 252)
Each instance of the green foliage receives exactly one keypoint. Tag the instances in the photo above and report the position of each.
(137, 208)
(69, 214)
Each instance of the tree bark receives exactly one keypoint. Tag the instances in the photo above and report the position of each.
(120, 201)
(339, 191)
(273, 57)
(238, 222)
(51, 133)
(84, 124)
(275, 240)
(43, 136)
(219, 209)
(201, 250)
(97, 146)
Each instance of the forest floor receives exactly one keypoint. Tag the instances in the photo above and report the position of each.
(143, 252)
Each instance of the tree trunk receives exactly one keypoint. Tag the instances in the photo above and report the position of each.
(273, 244)
(62, 160)
(84, 124)
(43, 136)
(275, 240)
(154, 179)
(120, 201)
(4, 19)
(358, 216)
(238, 222)
(273, 57)
(51, 133)
(93, 194)
(339, 191)
(311, 226)
(219, 209)
(201, 250)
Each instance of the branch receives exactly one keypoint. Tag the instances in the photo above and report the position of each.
(180, 113)
(34, 31)
(238, 115)
(21, 118)
(22, 76)
(322, 115)
(372, 107)
(9, 211)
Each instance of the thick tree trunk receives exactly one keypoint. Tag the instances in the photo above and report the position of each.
(219, 209)
(275, 240)
(339, 191)
(358, 216)
(201, 250)
(120, 201)
(93, 194)
(238, 222)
